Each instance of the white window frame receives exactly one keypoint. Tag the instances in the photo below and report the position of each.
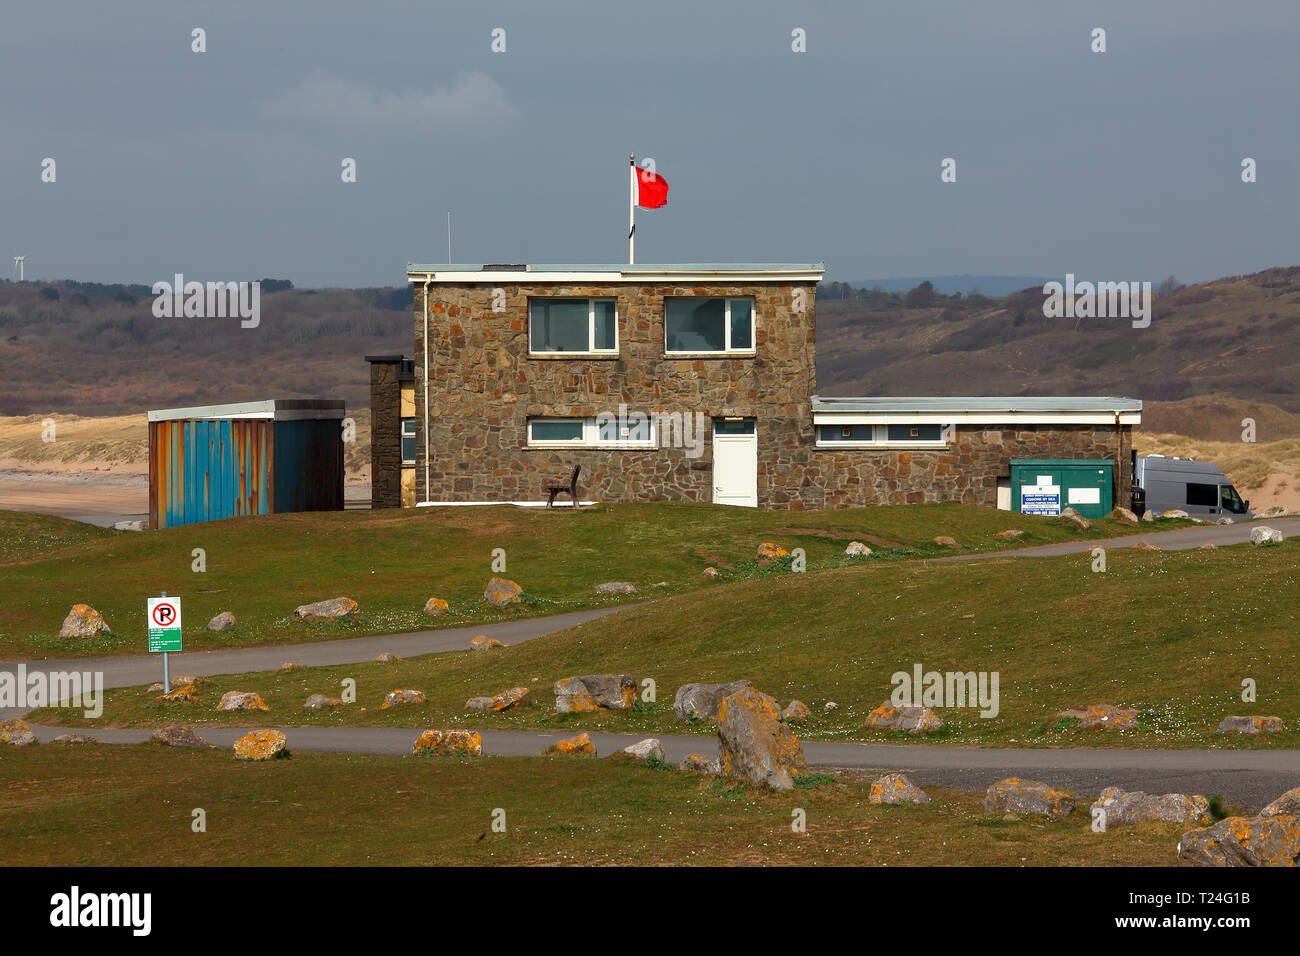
(591, 435)
(402, 436)
(591, 326)
(726, 325)
(880, 437)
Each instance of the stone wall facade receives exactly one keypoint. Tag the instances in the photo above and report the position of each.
(385, 432)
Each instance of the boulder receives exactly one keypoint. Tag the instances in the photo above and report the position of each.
(1124, 515)
(830, 705)
(1017, 795)
(796, 710)
(502, 591)
(1146, 546)
(514, 697)
(83, 621)
(262, 745)
(895, 788)
(387, 658)
(1072, 519)
(242, 700)
(1239, 841)
(185, 694)
(1208, 546)
(944, 541)
(449, 742)
(1101, 717)
(1276, 511)
(1287, 805)
(484, 643)
(138, 524)
(1011, 534)
(914, 720)
(644, 751)
(755, 744)
(397, 698)
(1148, 515)
(700, 764)
(1174, 513)
(196, 681)
(1252, 725)
(857, 549)
(594, 691)
(320, 702)
(1131, 807)
(222, 622)
(700, 701)
(16, 733)
(179, 735)
(770, 553)
(616, 587)
(288, 666)
(711, 573)
(76, 739)
(580, 745)
(1225, 521)
(322, 611)
(436, 606)
(1262, 534)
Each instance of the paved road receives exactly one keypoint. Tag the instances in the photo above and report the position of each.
(1246, 778)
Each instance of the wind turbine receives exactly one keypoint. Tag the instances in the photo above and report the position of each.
(18, 264)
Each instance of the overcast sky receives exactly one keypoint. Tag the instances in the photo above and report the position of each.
(226, 164)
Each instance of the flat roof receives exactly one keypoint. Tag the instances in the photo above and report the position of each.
(615, 272)
(279, 409)
(978, 403)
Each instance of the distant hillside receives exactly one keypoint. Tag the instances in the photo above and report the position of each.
(985, 285)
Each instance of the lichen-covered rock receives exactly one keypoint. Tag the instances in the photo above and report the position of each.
(944, 541)
(398, 698)
(436, 607)
(222, 622)
(1146, 546)
(591, 692)
(796, 710)
(1250, 725)
(1017, 795)
(770, 553)
(83, 621)
(1131, 807)
(449, 742)
(1208, 546)
(502, 591)
(914, 720)
(1174, 513)
(1011, 534)
(700, 764)
(616, 587)
(1101, 717)
(320, 702)
(644, 751)
(1239, 841)
(1263, 535)
(1072, 519)
(288, 666)
(1276, 511)
(185, 694)
(829, 706)
(895, 788)
(857, 549)
(16, 733)
(387, 658)
(262, 745)
(196, 681)
(514, 697)
(711, 573)
(76, 739)
(755, 744)
(484, 643)
(1124, 515)
(1287, 805)
(700, 701)
(322, 611)
(179, 735)
(242, 700)
(580, 745)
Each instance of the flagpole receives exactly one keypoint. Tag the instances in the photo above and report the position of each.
(631, 208)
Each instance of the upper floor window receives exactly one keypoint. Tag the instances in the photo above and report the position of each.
(560, 326)
(408, 441)
(709, 325)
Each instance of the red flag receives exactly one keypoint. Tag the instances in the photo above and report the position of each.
(652, 190)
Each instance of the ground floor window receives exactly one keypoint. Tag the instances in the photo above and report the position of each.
(881, 436)
(408, 441)
(633, 430)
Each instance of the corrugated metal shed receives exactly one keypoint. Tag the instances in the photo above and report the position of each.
(251, 458)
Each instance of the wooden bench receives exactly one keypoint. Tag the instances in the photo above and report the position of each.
(569, 486)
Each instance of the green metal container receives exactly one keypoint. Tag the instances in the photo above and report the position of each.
(1047, 485)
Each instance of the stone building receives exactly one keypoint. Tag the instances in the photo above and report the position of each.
(680, 382)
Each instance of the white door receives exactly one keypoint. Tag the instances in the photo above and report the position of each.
(735, 463)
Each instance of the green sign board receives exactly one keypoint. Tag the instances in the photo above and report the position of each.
(164, 624)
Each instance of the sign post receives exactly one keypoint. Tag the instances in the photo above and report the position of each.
(164, 630)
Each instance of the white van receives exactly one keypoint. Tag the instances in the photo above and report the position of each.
(1198, 487)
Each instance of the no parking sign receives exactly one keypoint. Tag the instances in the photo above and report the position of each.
(164, 624)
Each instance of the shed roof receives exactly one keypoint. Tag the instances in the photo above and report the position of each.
(615, 272)
(279, 409)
